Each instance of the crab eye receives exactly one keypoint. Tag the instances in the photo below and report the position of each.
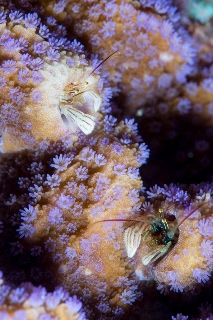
(170, 217)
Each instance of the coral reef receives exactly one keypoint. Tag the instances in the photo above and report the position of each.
(190, 261)
(30, 302)
(153, 54)
(180, 231)
(40, 77)
(89, 229)
(56, 194)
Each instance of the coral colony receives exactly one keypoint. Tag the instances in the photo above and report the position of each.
(106, 115)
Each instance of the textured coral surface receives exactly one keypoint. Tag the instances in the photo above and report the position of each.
(152, 53)
(36, 69)
(30, 302)
(64, 192)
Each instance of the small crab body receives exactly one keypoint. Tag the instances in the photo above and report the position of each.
(85, 96)
(82, 99)
(159, 234)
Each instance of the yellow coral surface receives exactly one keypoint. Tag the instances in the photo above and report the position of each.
(31, 100)
(142, 36)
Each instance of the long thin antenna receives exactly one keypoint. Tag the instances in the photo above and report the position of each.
(122, 220)
(103, 62)
(191, 213)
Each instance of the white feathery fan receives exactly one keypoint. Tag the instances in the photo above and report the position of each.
(84, 121)
(132, 238)
(92, 99)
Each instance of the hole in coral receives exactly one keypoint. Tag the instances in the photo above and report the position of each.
(180, 149)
